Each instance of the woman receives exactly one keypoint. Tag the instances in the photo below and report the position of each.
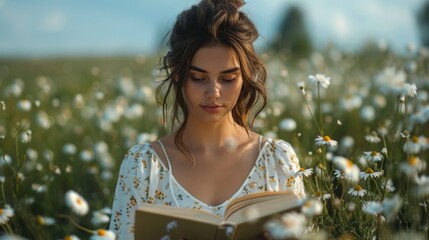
(213, 80)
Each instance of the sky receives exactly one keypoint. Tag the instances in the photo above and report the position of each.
(64, 27)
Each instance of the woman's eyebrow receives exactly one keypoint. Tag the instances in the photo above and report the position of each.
(231, 70)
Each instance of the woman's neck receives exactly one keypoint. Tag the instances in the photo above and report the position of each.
(211, 138)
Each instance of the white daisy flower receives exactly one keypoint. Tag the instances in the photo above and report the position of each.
(291, 225)
(388, 186)
(409, 90)
(422, 188)
(76, 202)
(357, 190)
(372, 207)
(338, 174)
(322, 196)
(171, 226)
(325, 140)
(369, 173)
(373, 137)
(413, 166)
(320, 80)
(288, 124)
(412, 145)
(349, 170)
(44, 220)
(98, 218)
(5, 214)
(102, 234)
(312, 208)
(71, 237)
(373, 156)
(304, 172)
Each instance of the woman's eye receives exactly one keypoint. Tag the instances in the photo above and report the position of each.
(197, 79)
(228, 79)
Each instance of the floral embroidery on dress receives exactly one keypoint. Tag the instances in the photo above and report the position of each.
(143, 177)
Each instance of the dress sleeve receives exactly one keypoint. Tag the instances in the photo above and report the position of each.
(131, 188)
(287, 164)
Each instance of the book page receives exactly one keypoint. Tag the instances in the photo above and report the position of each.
(253, 207)
(183, 213)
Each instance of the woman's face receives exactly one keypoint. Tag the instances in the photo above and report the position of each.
(214, 83)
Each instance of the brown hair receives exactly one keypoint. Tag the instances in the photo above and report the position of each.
(218, 21)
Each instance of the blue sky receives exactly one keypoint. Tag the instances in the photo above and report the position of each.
(52, 27)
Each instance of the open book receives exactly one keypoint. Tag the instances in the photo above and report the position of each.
(243, 219)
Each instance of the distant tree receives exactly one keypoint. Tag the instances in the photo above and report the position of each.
(292, 34)
(423, 22)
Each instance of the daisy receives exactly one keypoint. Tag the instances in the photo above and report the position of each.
(98, 218)
(412, 166)
(372, 207)
(373, 137)
(45, 221)
(409, 90)
(338, 174)
(304, 172)
(171, 226)
(388, 186)
(288, 124)
(77, 203)
(71, 237)
(370, 173)
(357, 190)
(5, 214)
(412, 145)
(373, 156)
(326, 140)
(422, 188)
(349, 170)
(320, 80)
(102, 234)
(312, 208)
(291, 225)
(322, 196)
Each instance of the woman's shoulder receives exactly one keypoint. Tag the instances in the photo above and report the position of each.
(279, 144)
(139, 152)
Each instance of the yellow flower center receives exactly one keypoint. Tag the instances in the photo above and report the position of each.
(1, 211)
(369, 170)
(374, 153)
(412, 161)
(358, 188)
(318, 193)
(78, 201)
(349, 163)
(40, 220)
(326, 138)
(301, 169)
(68, 237)
(101, 232)
(414, 139)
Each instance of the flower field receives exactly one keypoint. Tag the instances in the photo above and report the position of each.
(359, 124)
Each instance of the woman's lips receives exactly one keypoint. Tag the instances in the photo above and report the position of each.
(211, 108)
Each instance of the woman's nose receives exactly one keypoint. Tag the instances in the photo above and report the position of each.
(213, 90)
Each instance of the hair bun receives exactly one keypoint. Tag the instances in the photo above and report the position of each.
(236, 3)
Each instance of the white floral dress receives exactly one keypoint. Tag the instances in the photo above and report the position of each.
(143, 177)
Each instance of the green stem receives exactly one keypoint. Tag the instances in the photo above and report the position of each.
(76, 224)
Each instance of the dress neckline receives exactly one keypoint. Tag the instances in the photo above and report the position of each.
(239, 190)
